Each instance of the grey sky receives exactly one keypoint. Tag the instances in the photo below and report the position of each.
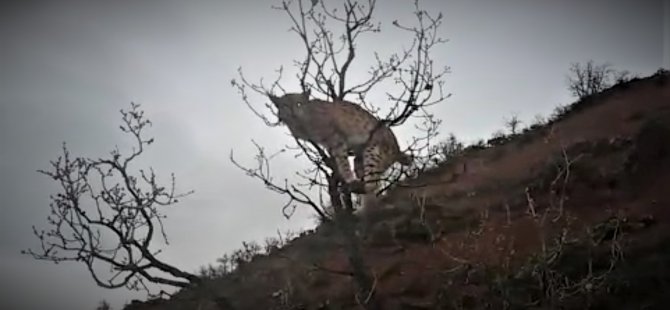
(67, 67)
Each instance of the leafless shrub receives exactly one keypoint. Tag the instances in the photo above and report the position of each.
(512, 123)
(547, 266)
(282, 240)
(588, 79)
(538, 122)
(556, 278)
(446, 149)
(108, 215)
(559, 112)
(230, 262)
(622, 76)
(498, 138)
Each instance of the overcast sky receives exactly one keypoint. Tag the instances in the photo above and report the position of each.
(67, 67)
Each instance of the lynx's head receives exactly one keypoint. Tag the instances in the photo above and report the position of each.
(289, 106)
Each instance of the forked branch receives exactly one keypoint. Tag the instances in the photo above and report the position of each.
(104, 214)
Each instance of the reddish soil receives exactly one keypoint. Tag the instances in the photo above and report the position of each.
(500, 227)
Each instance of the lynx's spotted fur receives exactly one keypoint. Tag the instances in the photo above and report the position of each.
(341, 128)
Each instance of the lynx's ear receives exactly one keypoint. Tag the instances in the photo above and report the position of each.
(307, 93)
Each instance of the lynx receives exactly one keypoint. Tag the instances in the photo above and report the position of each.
(341, 128)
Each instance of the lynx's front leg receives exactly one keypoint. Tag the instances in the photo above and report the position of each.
(340, 155)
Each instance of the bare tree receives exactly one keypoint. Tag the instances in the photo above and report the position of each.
(588, 79)
(331, 38)
(109, 217)
(512, 123)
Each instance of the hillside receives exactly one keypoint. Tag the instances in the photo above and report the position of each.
(573, 214)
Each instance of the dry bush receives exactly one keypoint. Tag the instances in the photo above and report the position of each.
(588, 79)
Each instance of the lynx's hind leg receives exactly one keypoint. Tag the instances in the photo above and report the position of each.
(370, 168)
(374, 164)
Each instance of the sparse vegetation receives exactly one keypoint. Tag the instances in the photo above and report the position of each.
(573, 268)
(589, 79)
(229, 263)
(538, 122)
(447, 149)
(498, 138)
